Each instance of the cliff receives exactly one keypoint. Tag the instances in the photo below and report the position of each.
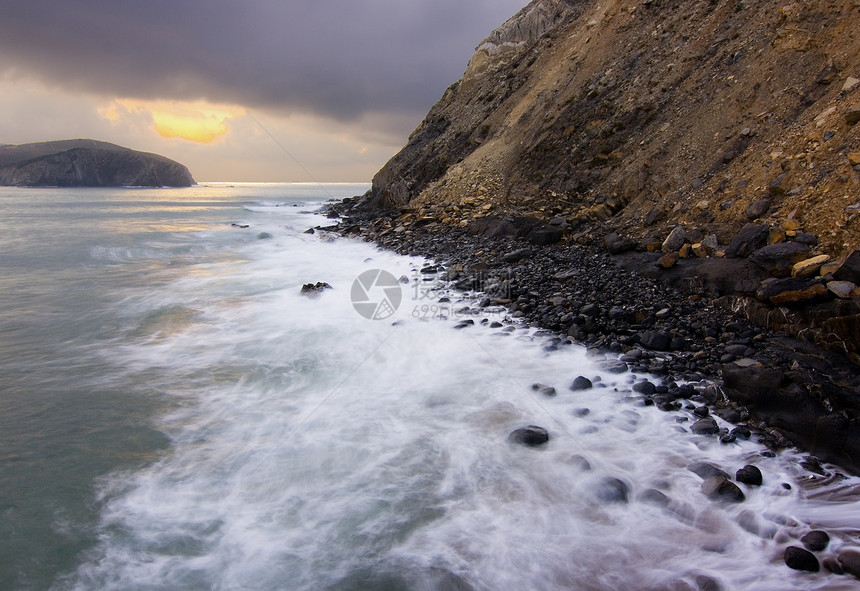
(87, 163)
(636, 116)
(675, 181)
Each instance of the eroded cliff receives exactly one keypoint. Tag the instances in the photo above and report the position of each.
(635, 116)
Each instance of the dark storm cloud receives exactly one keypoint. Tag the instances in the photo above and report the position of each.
(336, 58)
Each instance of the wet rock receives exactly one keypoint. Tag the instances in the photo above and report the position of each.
(314, 289)
(778, 259)
(581, 383)
(816, 540)
(849, 560)
(750, 238)
(705, 427)
(742, 432)
(749, 475)
(543, 389)
(645, 387)
(616, 367)
(706, 583)
(831, 563)
(579, 462)
(612, 490)
(531, 436)
(720, 488)
(652, 496)
(801, 559)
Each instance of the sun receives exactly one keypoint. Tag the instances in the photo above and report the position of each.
(195, 121)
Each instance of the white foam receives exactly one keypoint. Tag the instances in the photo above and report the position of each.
(315, 449)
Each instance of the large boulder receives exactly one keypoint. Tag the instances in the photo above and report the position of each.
(748, 240)
(790, 291)
(778, 259)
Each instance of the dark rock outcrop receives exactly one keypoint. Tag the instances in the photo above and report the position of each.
(531, 436)
(87, 163)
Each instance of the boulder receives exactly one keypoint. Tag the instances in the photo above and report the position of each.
(668, 260)
(706, 426)
(492, 227)
(719, 488)
(789, 291)
(612, 490)
(656, 339)
(750, 238)
(841, 289)
(816, 540)
(645, 387)
(801, 559)
(758, 208)
(704, 470)
(652, 496)
(548, 391)
(849, 560)
(314, 289)
(536, 231)
(850, 269)
(531, 436)
(675, 240)
(750, 475)
(778, 259)
(581, 383)
(757, 386)
(617, 245)
(809, 267)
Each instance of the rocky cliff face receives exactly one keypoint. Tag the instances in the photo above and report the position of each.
(87, 163)
(634, 116)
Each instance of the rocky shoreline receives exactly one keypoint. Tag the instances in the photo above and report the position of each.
(785, 391)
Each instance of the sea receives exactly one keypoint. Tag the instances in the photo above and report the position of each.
(175, 414)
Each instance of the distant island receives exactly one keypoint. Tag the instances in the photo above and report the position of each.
(87, 163)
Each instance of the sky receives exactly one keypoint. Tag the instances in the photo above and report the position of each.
(237, 90)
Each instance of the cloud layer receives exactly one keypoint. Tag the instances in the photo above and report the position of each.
(338, 59)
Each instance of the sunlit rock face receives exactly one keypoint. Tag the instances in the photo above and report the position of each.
(87, 163)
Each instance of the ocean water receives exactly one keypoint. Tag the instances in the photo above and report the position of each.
(175, 414)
